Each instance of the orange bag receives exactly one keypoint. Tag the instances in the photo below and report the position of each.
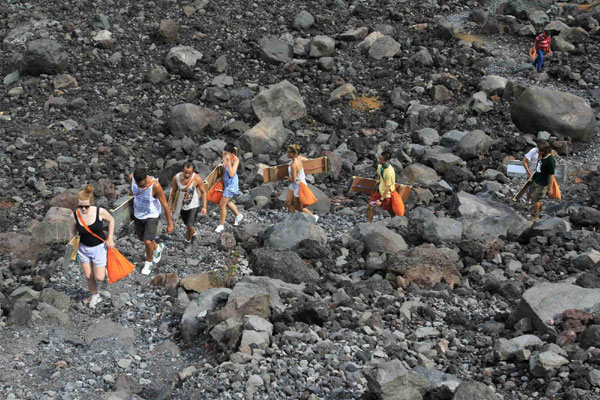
(553, 190)
(215, 192)
(305, 195)
(533, 52)
(117, 266)
(397, 204)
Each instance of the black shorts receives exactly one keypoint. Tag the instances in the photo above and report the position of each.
(189, 216)
(146, 228)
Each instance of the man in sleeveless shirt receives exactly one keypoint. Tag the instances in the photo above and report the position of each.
(192, 189)
(147, 201)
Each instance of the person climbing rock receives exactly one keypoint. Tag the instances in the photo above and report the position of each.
(386, 183)
(147, 201)
(92, 252)
(192, 189)
(542, 46)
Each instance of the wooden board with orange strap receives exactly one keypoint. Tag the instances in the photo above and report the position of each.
(311, 167)
(368, 186)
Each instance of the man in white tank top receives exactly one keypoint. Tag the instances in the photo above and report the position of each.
(187, 188)
(147, 201)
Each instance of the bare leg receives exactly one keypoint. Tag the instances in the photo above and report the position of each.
(289, 201)
(233, 208)
(100, 273)
(301, 207)
(189, 233)
(370, 213)
(150, 247)
(90, 279)
(223, 209)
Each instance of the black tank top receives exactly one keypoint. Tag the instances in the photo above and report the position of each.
(97, 227)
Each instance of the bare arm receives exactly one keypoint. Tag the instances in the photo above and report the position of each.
(159, 193)
(526, 165)
(233, 166)
(294, 173)
(105, 215)
(174, 189)
(72, 228)
(130, 182)
(201, 188)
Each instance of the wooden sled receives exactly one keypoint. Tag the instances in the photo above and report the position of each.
(311, 167)
(368, 186)
(515, 168)
(215, 175)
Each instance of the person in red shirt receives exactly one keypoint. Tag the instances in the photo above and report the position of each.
(542, 46)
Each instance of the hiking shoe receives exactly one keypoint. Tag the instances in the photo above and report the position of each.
(158, 253)
(238, 219)
(147, 270)
(95, 300)
(220, 228)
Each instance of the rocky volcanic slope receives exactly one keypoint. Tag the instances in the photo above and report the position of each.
(460, 299)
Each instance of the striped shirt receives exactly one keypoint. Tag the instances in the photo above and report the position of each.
(542, 42)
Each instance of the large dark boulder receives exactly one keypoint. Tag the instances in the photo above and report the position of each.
(562, 114)
(284, 265)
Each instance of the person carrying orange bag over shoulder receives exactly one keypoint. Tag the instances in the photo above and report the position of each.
(299, 195)
(87, 221)
(384, 195)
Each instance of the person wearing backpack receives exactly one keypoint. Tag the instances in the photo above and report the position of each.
(148, 198)
(188, 188)
(92, 250)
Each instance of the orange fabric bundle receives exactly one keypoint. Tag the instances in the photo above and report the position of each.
(533, 52)
(305, 195)
(215, 192)
(554, 190)
(397, 204)
(117, 266)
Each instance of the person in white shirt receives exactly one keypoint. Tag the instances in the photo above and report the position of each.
(532, 155)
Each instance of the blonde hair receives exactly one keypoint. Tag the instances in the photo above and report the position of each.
(86, 194)
(294, 149)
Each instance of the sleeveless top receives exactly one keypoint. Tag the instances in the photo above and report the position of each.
(190, 195)
(145, 205)
(231, 183)
(97, 227)
(300, 177)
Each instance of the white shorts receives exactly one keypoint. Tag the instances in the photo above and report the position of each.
(295, 187)
(94, 254)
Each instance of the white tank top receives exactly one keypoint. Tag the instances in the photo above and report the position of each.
(190, 195)
(300, 177)
(144, 204)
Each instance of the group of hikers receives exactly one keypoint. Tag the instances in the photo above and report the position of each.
(149, 202)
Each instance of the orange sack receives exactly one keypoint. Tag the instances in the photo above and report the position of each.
(397, 204)
(553, 190)
(215, 192)
(305, 195)
(533, 52)
(117, 266)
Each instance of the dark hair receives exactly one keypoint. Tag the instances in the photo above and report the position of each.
(230, 149)
(139, 174)
(188, 164)
(544, 147)
(546, 32)
(386, 155)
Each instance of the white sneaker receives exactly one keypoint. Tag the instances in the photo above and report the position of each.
(157, 255)
(220, 228)
(147, 270)
(95, 300)
(316, 218)
(238, 219)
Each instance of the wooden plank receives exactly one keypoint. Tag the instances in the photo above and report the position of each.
(311, 166)
(214, 176)
(368, 186)
(515, 168)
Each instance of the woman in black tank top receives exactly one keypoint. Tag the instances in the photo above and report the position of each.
(92, 251)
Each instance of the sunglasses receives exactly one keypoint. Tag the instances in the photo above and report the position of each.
(84, 207)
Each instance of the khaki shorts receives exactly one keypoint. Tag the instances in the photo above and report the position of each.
(537, 192)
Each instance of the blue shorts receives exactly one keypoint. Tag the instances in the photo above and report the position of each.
(95, 254)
